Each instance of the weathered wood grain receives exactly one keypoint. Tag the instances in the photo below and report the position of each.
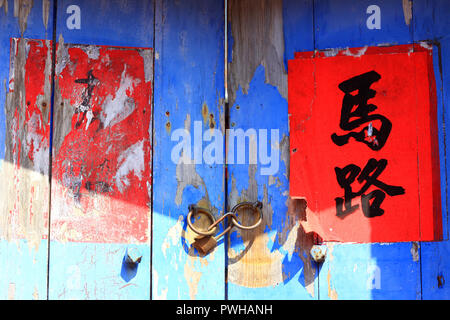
(189, 98)
(273, 260)
(25, 100)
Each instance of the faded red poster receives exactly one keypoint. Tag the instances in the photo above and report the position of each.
(364, 148)
(101, 168)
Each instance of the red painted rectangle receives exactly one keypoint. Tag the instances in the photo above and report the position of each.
(102, 153)
(363, 138)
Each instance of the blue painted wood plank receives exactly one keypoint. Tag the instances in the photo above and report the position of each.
(298, 26)
(189, 93)
(431, 19)
(340, 25)
(272, 261)
(95, 269)
(431, 23)
(370, 272)
(113, 23)
(23, 243)
(435, 266)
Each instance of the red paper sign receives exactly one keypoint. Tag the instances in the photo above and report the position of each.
(364, 148)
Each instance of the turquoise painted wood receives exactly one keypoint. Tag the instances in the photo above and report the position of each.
(189, 103)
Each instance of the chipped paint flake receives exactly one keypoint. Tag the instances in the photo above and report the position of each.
(131, 160)
(119, 107)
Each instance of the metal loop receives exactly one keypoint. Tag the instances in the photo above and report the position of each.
(256, 206)
(211, 229)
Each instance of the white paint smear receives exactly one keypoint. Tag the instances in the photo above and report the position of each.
(131, 160)
(116, 109)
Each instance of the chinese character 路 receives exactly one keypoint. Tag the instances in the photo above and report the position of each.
(370, 202)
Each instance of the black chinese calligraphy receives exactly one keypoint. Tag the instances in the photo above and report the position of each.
(352, 118)
(85, 105)
(368, 176)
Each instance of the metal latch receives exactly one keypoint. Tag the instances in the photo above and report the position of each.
(207, 240)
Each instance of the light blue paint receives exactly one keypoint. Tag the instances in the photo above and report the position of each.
(92, 271)
(23, 270)
(370, 271)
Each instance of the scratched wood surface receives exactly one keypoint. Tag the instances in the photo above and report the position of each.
(25, 72)
(272, 261)
(101, 168)
(189, 93)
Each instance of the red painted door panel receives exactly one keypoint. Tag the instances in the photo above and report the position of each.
(101, 154)
(363, 144)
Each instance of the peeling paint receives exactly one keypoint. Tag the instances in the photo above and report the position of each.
(258, 39)
(360, 52)
(147, 55)
(45, 12)
(192, 277)
(119, 107)
(131, 160)
(256, 265)
(163, 294)
(22, 9)
(24, 204)
(285, 154)
(415, 251)
(407, 11)
(4, 4)
(332, 293)
(11, 291)
(186, 174)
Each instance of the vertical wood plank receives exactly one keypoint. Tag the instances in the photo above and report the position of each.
(370, 269)
(272, 261)
(101, 170)
(431, 24)
(189, 93)
(25, 74)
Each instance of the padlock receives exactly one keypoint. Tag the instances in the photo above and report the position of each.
(205, 245)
